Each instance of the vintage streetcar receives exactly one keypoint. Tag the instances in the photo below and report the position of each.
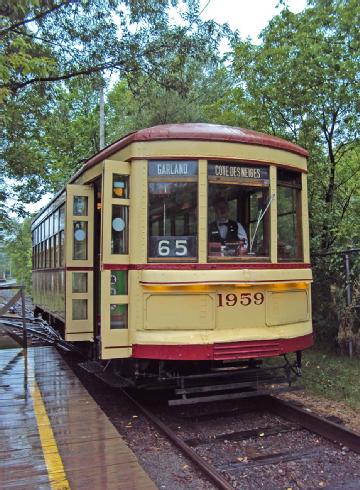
(178, 251)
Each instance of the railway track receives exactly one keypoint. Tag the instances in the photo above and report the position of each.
(228, 457)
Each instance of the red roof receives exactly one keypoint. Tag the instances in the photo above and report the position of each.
(201, 132)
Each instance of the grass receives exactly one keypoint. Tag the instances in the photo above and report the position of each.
(334, 377)
(326, 374)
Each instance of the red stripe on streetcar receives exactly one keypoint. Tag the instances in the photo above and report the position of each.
(292, 265)
(221, 351)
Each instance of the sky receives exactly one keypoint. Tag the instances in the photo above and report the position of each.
(248, 16)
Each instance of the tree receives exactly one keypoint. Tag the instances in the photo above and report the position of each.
(45, 40)
(47, 43)
(134, 104)
(19, 248)
(302, 83)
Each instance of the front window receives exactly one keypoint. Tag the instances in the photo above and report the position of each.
(238, 202)
(289, 215)
(173, 210)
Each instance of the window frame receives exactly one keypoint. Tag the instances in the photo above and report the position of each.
(299, 227)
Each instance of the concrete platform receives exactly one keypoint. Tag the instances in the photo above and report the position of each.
(53, 435)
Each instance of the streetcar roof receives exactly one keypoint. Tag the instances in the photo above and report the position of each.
(197, 131)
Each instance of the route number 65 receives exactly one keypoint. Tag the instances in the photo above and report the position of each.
(180, 248)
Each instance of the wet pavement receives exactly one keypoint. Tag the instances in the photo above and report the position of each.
(53, 434)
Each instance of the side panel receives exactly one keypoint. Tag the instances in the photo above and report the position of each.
(79, 282)
(206, 307)
(287, 307)
(179, 311)
(48, 291)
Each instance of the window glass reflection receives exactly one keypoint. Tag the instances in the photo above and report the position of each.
(79, 309)
(61, 249)
(172, 220)
(80, 206)
(118, 316)
(119, 230)
(80, 240)
(79, 282)
(61, 217)
(289, 215)
(120, 187)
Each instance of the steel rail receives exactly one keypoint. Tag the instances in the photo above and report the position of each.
(42, 335)
(48, 334)
(314, 423)
(206, 468)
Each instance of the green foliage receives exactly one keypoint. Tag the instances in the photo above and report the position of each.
(45, 41)
(19, 249)
(71, 130)
(334, 377)
(53, 56)
(328, 298)
(302, 83)
(135, 104)
(349, 329)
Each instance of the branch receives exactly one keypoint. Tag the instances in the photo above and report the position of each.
(36, 17)
(66, 76)
(47, 41)
(347, 202)
(344, 148)
(347, 179)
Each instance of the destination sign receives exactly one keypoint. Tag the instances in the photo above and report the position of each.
(173, 168)
(232, 171)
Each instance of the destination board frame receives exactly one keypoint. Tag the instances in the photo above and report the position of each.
(232, 172)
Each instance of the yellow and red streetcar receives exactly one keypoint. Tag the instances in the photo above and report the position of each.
(180, 247)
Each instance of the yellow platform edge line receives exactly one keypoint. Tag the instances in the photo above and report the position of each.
(53, 461)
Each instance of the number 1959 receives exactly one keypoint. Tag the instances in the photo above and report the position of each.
(244, 299)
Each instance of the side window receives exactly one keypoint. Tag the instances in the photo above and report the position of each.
(61, 243)
(289, 215)
(80, 228)
(173, 210)
(120, 215)
(61, 249)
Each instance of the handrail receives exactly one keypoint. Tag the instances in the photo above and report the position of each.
(12, 301)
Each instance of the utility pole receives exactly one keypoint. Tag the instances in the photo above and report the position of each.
(102, 116)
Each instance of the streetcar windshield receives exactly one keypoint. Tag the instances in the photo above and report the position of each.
(238, 202)
(173, 210)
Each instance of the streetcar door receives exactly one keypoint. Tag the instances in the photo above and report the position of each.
(79, 262)
(115, 256)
